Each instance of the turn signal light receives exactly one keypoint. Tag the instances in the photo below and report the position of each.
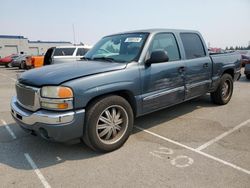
(65, 92)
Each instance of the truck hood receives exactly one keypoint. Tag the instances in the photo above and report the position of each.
(59, 73)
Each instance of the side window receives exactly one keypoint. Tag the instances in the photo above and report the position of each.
(167, 42)
(192, 45)
(64, 51)
(81, 52)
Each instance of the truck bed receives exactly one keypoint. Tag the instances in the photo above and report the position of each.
(225, 60)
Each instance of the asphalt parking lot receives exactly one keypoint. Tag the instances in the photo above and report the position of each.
(194, 144)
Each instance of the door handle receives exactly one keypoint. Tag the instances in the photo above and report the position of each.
(181, 69)
(205, 65)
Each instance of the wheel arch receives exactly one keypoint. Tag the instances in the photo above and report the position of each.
(229, 71)
(126, 94)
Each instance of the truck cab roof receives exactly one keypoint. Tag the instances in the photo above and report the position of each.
(159, 30)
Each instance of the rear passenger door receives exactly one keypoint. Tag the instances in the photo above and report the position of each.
(198, 66)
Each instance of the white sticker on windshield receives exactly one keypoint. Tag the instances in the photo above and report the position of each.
(133, 39)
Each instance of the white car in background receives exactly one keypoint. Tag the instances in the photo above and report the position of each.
(63, 54)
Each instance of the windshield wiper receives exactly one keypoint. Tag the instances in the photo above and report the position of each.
(104, 58)
(85, 58)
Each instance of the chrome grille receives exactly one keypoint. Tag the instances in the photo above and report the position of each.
(26, 96)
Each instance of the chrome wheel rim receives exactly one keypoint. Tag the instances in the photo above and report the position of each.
(226, 89)
(112, 124)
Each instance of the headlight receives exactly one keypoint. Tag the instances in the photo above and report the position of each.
(58, 92)
(56, 98)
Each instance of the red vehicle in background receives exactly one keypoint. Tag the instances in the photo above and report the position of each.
(6, 61)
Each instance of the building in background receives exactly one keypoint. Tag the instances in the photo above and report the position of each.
(10, 44)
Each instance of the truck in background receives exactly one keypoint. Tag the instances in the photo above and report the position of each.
(64, 54)
(34, 62)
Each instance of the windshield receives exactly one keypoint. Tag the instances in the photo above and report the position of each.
(14, 56)
(118, 48)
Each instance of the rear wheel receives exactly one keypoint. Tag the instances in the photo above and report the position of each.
(109, 121)
(224, 91)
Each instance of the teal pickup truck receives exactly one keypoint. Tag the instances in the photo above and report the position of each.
(123, 76)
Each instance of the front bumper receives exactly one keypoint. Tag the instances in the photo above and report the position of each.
(56, 126)
(4, 63)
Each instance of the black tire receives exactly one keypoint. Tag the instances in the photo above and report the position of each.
(248, 76)
(222, 96)
(6, 65)
(94, 114)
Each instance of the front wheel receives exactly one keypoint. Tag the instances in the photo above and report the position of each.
(23, 65)
(9, 65)
(224, 91)
(109, 122)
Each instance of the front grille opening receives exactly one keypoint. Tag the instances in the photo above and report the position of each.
(25, 95)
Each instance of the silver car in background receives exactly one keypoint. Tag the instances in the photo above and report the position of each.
(19, 61)
(63, 54)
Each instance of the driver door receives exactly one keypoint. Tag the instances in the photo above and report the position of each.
(163, 83)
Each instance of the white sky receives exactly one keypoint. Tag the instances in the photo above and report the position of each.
(222, 22)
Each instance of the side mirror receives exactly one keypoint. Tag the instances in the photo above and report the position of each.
(157, 56)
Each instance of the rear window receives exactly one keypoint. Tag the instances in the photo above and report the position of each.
(64, 51)
(192, 45)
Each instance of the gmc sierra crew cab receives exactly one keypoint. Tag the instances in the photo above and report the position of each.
(123, 76)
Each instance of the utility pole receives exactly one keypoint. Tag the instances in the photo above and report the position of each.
(74, 34)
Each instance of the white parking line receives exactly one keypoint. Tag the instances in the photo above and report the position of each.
(222, 135)
(4, 75)
(58, 158)
(156, 155)
(37, 171)
(13, 79)
(196, 151)
(8, 129)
